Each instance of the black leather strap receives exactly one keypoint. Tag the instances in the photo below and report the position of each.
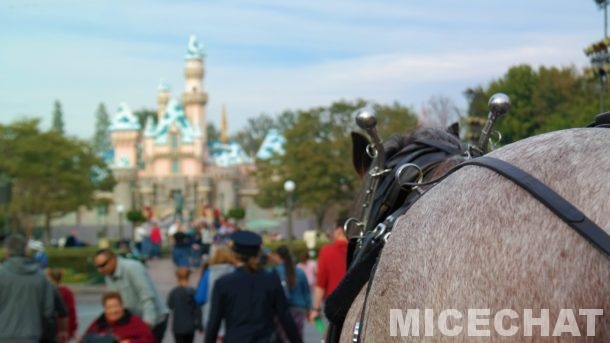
(553, 201)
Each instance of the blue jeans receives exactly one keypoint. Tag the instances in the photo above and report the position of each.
(181, 256)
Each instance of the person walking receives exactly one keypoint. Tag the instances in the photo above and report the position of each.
(249, 298)
(186, 313)
(181, 246)
(308, 265)
(155, 241)
(138, 292)
(55, 275)
(25, 294)
(220, 264)
(295, 286)
(332, 266)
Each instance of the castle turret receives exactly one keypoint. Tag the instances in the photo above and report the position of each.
(194, 98)
(125, 134)
(224, 126)
(162, 99)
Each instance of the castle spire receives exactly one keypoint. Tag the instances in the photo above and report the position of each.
(195, 49)
(224, 127)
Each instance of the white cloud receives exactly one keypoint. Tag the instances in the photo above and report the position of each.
(268, 56)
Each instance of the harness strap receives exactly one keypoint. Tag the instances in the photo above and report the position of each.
(541, 192)
(549, 198)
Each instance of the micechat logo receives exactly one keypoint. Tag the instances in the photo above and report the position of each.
(481, 322)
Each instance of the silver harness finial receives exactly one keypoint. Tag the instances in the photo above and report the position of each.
(498, 104)
(366, 118)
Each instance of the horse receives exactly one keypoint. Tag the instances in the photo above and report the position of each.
(476, 242)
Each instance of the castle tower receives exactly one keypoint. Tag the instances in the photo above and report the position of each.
(194, 98)
(224, 126)
(125, 133)
(162, 99)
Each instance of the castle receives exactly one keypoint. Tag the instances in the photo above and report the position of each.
(169, 163)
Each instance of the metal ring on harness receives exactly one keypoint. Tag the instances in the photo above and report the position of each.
(402, 168)
(348, 221)
(371, 151)
(493, 143)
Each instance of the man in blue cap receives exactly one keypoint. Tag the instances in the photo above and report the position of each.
(249, 298)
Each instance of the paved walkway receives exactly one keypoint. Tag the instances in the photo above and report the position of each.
(162, 272)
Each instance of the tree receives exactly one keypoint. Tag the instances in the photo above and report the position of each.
(143, 114)
(440, 111)
(317, 156)
(237, 213)
(58, 121)
(543, 100)
(212, 133)
(52, 174)
(252, 136)
(101, 139)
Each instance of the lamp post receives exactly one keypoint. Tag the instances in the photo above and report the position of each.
(119, 210)
(599, 56)
(5, 200)
(289, 187)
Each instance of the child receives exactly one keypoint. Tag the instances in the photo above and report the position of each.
(185, 312)
(55, 275)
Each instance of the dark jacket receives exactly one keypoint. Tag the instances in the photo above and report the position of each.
(27, 300)
(186, 313)
(248, 302)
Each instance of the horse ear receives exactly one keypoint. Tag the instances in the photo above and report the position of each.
(454, 129)
(362, 161)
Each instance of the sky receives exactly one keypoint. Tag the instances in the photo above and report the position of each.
(274, 55)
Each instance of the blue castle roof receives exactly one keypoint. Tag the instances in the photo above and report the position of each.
(272, 144)
(226, 155)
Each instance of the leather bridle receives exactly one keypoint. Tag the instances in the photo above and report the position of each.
(373, 241)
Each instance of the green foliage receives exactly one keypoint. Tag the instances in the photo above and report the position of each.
(213, 133)
(297, 247)
(543, 100)
(251, 137)
(57, 124)
(78, 260)
(237, 213)
(52, 174)
(136, 216)
(143, 114)
(317, 156)
(101, 138)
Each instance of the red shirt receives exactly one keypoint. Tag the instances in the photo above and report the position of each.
(332, 265)
(68, 297)
(155, 235)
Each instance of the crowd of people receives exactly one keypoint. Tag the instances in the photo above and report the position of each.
(245, 293)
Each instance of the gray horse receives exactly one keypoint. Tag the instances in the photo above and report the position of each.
(478, 255)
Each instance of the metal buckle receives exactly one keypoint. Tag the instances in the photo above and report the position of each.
(356, 332)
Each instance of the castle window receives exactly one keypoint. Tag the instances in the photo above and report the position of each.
(174, 141)
(175, 166)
